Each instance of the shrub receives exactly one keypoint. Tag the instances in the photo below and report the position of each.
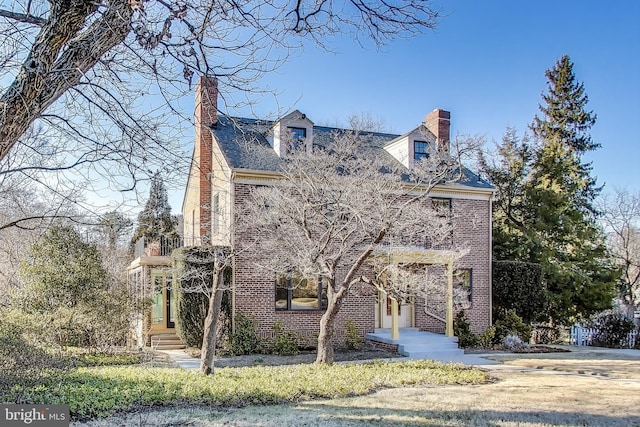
(513, 342)
(192, 309)
(613, 329)
(285, 342)
(244, 339)
(67, 286)
(23, 362)
(485, 339)
(352, 339)
(519, 286)
(462, 329)
(511, 324)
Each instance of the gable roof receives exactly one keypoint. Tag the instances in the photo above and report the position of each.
(243, 142)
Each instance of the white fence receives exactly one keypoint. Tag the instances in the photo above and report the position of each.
(584, 336)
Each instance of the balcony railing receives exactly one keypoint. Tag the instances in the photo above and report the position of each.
(162, 246)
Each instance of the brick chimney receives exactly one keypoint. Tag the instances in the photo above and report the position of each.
(438, 122)
(206, 118)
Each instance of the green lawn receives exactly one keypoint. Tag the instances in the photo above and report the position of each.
(99, 391)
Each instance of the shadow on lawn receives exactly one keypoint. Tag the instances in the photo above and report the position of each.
(366, 416)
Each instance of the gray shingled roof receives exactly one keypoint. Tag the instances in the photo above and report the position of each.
(244, 144)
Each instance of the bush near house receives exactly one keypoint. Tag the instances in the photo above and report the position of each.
(285, 343)
(244, 339)
(352, 338)
(511, 324)
(69, 296)
(613, 329)
(462, 330)
(519, 286)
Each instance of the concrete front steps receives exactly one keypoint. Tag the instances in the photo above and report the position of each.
(166, 342)
(417, 344)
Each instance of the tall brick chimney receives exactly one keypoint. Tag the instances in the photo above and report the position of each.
(206, 118)
(438, 122)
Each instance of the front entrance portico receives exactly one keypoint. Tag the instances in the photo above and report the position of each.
(413, 256)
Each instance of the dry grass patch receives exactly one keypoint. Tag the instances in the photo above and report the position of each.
(585, 362)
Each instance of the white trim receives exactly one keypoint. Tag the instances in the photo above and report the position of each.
(453, 191)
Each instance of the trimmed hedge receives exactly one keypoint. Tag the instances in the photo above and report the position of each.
(519, 286)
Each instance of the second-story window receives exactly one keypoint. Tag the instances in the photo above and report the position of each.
(462, 288)
(215, 212)
(420, 150)
(443, 239)
(297, 137)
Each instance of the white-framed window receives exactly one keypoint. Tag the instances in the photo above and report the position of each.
(215, 212)
(420, 150)
(298, 135)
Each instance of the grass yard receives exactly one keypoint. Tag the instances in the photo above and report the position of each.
(101, 391)
(531, 398)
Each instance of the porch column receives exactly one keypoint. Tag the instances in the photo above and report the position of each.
(395, 331)
(449, 303)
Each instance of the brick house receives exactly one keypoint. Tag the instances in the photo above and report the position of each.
(232, 155)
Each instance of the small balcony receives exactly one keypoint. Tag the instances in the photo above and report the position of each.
(162, 246)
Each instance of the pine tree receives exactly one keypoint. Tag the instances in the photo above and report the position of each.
(565, 237)
(509, 172)
(155, 220)
(545, 211)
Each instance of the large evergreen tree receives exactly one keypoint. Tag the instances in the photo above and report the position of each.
(155, 220)
(509, 171)
(546, 193)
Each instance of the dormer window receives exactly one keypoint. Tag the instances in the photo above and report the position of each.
(298, 135)
(293, 132)
(420, 150)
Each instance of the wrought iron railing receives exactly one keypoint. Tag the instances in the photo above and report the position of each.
(162, 246)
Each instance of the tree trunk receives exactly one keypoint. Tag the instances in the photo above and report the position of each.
(62, 53)
(211, 324)
(325, 336)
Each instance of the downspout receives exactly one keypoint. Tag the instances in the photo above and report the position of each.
(490, 260)
(449, 303)
(232, 212)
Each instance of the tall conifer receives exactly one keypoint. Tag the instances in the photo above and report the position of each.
(566, 239)
(545, 209)
(155, 220)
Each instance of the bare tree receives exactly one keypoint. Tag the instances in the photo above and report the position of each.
(203, 272)
(337, 207)
(621, 220)
(104, 79)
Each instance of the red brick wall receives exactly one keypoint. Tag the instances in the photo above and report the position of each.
(255, 297)
(255, 286)
(206, 116)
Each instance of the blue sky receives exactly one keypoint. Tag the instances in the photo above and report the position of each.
(485, 63)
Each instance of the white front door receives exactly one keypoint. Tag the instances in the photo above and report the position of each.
(383, 313)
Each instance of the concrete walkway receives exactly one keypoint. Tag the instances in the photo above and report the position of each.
(183, 360)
